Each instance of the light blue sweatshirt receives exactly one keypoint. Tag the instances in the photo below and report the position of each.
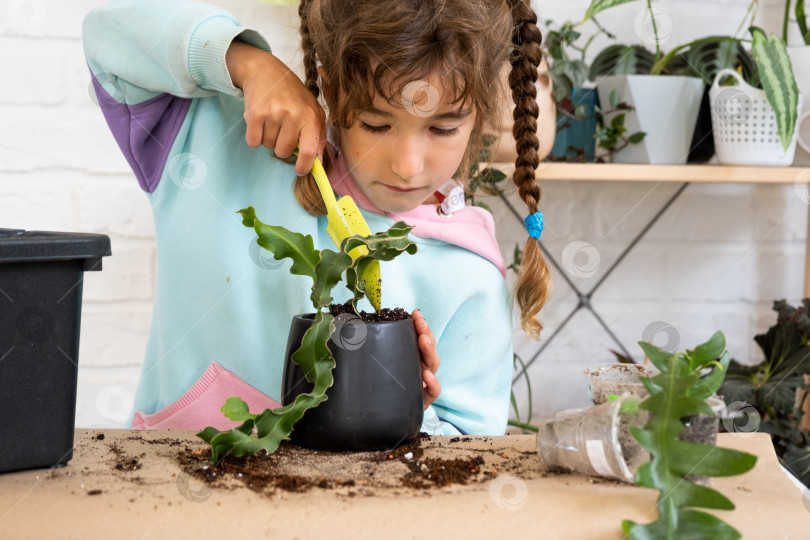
(163, 86)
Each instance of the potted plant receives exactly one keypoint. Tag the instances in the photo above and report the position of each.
(753, 126)
(315, 362)
(576, 105)
(704, 58)
(665, 108)
(580, 117)
(771, 396)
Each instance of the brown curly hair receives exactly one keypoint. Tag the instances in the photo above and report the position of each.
(373, 47)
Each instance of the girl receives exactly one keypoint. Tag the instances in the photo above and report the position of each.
(192, 97)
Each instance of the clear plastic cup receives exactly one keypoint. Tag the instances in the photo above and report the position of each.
(616, 379)
(594, 440)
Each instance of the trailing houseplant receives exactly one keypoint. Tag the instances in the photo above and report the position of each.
(676, 392)
(575, 104)
(578, 113)
(326, 268)
(771, 387)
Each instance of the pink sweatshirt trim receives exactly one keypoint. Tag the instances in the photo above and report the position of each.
(200, 406)
(471, 228)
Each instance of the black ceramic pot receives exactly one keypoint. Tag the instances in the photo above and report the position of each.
(375, 402)
(701, 149)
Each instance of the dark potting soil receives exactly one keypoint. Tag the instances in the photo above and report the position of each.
(124, 462)
(432, 472)
(385, 314)
(295, 469)
(422, 467)
(701, 429)
(634, 454)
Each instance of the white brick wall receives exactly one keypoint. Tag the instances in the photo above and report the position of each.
(716, 260)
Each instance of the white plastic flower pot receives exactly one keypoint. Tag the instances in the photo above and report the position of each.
(744, 125)
(666, 109)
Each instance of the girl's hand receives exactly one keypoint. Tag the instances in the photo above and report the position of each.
(279, 110)
(430, 358)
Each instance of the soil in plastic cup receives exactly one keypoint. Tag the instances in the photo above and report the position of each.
(702, 429)
(594, 441)
(616, 379)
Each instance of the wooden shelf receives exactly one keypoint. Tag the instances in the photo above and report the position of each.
(549, 171)
(620, 172)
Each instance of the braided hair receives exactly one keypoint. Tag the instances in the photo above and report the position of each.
(306, 190)
(533, 283)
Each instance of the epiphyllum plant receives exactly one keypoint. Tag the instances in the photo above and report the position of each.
(326, 268)
(679, 391)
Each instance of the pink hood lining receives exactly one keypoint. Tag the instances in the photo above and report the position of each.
(471, 228)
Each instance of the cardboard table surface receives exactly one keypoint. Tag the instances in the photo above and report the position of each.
(130, 484)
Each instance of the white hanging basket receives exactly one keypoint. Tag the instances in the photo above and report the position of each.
(744, 125)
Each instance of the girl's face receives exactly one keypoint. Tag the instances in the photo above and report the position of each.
(399, 156)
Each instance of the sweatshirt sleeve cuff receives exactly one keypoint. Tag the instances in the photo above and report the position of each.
(433, 425)
(207, 49)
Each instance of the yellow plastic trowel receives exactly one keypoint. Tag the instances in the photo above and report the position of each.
(344, 220)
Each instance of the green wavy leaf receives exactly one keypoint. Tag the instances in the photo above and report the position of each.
(284, 244)
(328, 272)
(776, 74)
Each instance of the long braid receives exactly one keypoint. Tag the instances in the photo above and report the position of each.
(306, 190)
(310, 61)
(533, 282)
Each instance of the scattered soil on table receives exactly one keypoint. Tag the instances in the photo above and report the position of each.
(442, 472)
(124, 462)
(423, 467)
(164, 441)
(406, 469)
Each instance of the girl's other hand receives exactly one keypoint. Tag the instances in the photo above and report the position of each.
(279, 110)
(430, 358)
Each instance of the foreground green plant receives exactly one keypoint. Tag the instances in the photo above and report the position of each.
(676, 392)
(326, 268)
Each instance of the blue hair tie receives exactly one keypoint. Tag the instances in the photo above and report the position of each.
(534, 224)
